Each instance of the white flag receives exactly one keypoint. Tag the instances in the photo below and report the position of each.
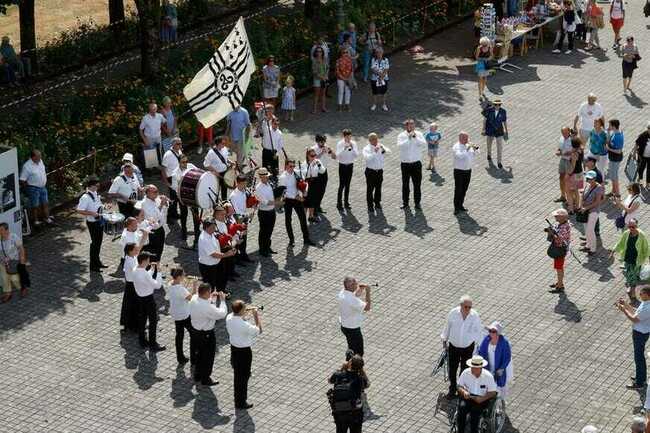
(220, 86)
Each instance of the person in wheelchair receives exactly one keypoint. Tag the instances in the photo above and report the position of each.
(476, 387)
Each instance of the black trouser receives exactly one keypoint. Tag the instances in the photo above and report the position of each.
(195, 220)
(206, 345)
(354, 338)
(295, 205)
(474, 410)
(411, 171)
(457, 356)
(130, 313)
(241, 359)
(349, 421)
(561, 40)
(181, 326)
(322, 186)
(461, 184)
(644, 165)
(270, 161)
(126, 209)
(25, 282)
(374, 179)
(96, 235)
(242, 248)
(148, 313)
(267, 223)
(345, 177)
(156, 243)
(172, 212)
(214, 275)
(223, 189)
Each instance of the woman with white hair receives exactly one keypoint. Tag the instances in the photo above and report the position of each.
(379, 67)
(483, 54)
(560, 238)
(496, 349)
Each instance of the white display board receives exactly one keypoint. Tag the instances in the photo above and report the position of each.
(10, 209)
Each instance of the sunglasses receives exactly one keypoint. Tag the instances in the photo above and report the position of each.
(466, 307)
(492, 331)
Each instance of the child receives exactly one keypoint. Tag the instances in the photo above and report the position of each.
(289, 99)
(433, 138)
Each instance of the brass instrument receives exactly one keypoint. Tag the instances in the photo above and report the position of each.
(251, 308)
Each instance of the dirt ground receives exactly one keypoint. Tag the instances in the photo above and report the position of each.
(55, 16)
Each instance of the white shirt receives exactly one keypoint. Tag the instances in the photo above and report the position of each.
(34, 174)
(126, 189)
(131, 238)
(325, 157)
(632, 199)
(130, 265)
(346, 153)
(213, 160)
(617, 9)
(461, 333)
(10, 247)
(240, 332)
(144, 282)
(589, 113)
(478, 386)
(151, 125)
(463, 157)
(410, 148)
(178, 174)
(374, 156)
(264, 193)
(271, 138)
(171, 161)
(204, 313)
(238, 201)
(179, 306)
(288, 180)
(350, 309)
(208, 244)
(565, 146)
(312, 169)
(154, 213)
(90, 201)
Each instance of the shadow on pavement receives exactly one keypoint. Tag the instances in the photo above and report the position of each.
(206, 409)
(243, 422)
(469, 225)
(378, 224)
(569, 310)
(416, 223)
(182, 386)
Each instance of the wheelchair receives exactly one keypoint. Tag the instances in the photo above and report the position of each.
(492, 419)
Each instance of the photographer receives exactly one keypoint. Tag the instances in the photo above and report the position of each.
(464, 153)
(345, 397)
(640, 332)
(560, 236)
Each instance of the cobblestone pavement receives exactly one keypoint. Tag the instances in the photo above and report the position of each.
(66, 368)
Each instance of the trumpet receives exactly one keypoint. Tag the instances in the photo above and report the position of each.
(364, 286)
(254, 308)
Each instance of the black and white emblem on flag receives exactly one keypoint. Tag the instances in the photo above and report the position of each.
(220, 86)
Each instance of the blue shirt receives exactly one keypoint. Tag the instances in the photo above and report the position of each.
(238, 120)
(643, 313)
(433, 138)
(494, 121)
(597, 142)
(616, 141)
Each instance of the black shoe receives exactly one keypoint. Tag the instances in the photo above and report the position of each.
(310, 243)
(418, 207)
(184, 235)
(157, 348)
(463, 209)
(245, 406)
(457, 211)
(102, 266)
(371, 209)
(634, 386)
(557, 290)
(500, 165)
(95, 269)
(583, 238)
(339, 207)
(183, 360)
(272, 252)
(404, 206)
(347, 206)
(378, 206)
(209, 383)
(489, 158)
(291, 243)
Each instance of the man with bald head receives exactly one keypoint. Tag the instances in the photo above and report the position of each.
(588, 112)
(464, 153)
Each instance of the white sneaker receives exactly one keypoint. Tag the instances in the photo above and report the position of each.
(567, 52)
(384, 107)
(373, 107)
(199, 150)
(556, 51)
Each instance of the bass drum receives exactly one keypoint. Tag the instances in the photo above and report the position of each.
(230, 176)
(198, 189)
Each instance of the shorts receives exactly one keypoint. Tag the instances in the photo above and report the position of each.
(37, 195)
(558, 263)
(617, 24)
(612, 170)
(433, 150)
(378, 90)
(564, 167)
(320, 83)
(628, 69)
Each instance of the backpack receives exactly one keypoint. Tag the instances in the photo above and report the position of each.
(341, 396)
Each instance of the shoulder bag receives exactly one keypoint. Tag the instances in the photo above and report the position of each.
(619, 222)
(583, 216)
(11, 265)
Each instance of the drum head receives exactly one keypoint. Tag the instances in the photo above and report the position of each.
(207, 190)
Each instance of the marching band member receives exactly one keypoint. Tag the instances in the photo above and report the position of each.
(311, 170)
(130, 313)
(325, 155)
(128, 159)
(183, 167)
(132, 234)
(411, 143)
(272, 143)
(179, 297)
(216, 161)
(124, 189)
(154, 207)
(296, 188)
(210, 256)
(266, 212)
(374, 153)
(145, 283)
(242, 335)
(351, 309)
(346, 153)
(238, 199)
(170, 162)
(226, 240)
(464, 154)
(203, 315)
(90, 206)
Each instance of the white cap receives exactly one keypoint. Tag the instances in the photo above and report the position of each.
(128, 157)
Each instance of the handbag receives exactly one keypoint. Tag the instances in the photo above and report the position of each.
(11, 265)
(637, 57)
(619, 222)
(599, 21)
(583, 215)
(631, 168)
(556, 252)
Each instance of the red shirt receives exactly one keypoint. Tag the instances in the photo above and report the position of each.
(344, 67)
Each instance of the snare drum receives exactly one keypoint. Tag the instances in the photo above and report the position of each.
(113, 223)
(198, 189)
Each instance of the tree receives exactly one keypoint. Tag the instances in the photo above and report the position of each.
(149, 25)
(27, 29)
(312, 10)
(116, 16)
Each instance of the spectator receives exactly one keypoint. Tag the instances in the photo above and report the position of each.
(13, 259)
(128, 159)
(640, 332)
(344, 79)
(630, 58)
(353, 373)
(238, 127)
(638, 425)
(614, 146)
(594, 16)
(564, 151)
(372, 40)
(170, 131)
(642, 148)
(496, 349)
(581, 29)
(616, 19)
(597, 144)
(204, 136)
(379, 79)
(631, 206)
(271, 81)
(289, 98)
(151, 129)
(574, 181)
(347, 45)
(433, 138)
(482, 55)
(322, 44)
(632, 249)
(588, 112)
(560, 235)
(320, 72)
(351, 33)
(567, 28)
(495, 127)
(592, 197)
(34, 178)
(170, 22)
(10, 59)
